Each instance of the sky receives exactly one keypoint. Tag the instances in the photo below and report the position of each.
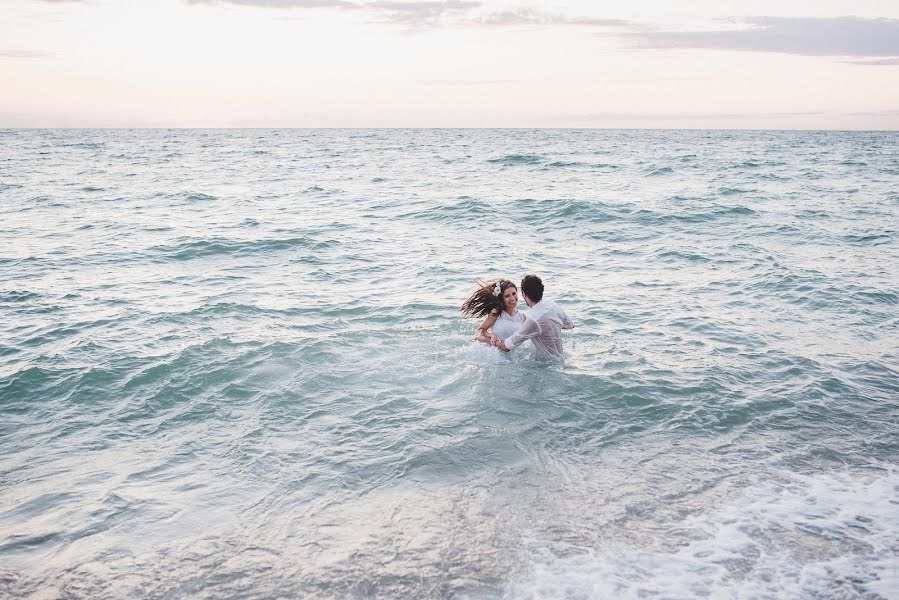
(797, 64)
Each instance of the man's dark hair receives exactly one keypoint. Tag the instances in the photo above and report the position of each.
(532, 287)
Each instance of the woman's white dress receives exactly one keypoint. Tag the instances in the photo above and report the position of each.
(505, 325)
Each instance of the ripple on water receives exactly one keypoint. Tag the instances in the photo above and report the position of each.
(511, 160)
(188, 249)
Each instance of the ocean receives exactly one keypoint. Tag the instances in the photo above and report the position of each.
(232, 364)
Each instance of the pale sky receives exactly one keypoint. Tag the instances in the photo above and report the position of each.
(797, 64)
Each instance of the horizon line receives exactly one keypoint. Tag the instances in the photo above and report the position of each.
(255, 127)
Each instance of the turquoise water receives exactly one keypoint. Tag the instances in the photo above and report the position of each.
(231, 364)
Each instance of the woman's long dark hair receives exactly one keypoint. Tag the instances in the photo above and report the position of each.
(483, 301)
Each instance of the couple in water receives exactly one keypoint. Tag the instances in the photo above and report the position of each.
(507, 328)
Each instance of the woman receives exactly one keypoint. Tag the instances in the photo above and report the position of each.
(498, 302)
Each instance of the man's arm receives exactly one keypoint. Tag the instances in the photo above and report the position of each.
(567, 323)
(530, 329)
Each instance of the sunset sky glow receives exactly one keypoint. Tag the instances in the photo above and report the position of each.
(826, 64)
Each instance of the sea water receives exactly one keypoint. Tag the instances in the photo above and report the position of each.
(232, 364)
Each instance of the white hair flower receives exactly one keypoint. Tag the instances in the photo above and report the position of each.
(497, 289)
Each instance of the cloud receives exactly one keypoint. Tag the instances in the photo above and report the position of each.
(283, 3)
(877, 62)
(425, 13)
(839, 36)
(853, 37)
(461, 13)
(617, 116)
(424, 10)
(465, 82)
(12, 53)
(431, 13)
(419, 13)
(531, 16)
(875, 113)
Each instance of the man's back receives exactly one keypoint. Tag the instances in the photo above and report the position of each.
(543, 327)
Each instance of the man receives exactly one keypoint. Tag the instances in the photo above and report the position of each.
(544, 324)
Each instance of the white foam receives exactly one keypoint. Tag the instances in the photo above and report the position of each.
(833, 535)
(484, 354)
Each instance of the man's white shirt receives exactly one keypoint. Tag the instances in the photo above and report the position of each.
(544, 326)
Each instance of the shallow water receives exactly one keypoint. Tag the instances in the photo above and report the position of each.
(231, 364)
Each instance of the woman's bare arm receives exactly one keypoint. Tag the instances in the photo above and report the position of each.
(481, 334)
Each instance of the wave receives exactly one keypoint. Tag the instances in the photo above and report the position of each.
(84, 145)
(729, 191)
(646, 216)
(687, 256)
(465, 209)
(659, 171)
(19, 296)
(29, 385)
(869, 239)
(185, 197)
(544, 212)
(559, 164)
(196, 197)
(816, 292)
(191, 249)
(775, 177)
(867, 298)
(819, 535)
(237, 310)
(516, 159)
(812, 213)
(876, 378)
(755, 163)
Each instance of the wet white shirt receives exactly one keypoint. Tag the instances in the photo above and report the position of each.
(544, 326)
